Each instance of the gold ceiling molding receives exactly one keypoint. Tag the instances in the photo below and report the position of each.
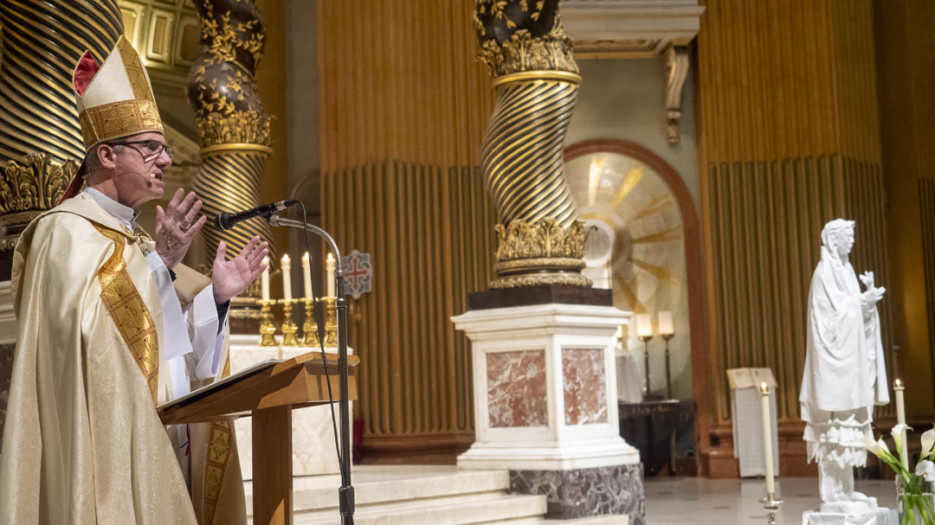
(166, 35)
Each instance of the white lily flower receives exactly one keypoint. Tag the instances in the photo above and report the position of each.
(898, 431)
(928, 443)
(877, 448)
(926, 469)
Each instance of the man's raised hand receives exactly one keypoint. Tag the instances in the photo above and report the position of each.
(176, 226)
(234, 276)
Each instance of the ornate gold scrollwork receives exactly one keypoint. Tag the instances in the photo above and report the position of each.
(31, 187)
(524, 52)
(537, 40)
(542, 252)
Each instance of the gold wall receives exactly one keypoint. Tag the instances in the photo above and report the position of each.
(403, 105)
(271, 84)
(905, 55)
(789, 138)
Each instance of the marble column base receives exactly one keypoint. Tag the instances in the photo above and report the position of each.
(532, 455)
(587, 492)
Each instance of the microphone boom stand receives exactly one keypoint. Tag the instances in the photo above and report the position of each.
(346, 492)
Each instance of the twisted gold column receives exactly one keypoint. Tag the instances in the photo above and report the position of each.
(40, 140)
(536, 83)
(229, 179)
(234, 132)
(523, 145)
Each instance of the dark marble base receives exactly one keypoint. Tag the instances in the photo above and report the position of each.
(586, 492)
(542, 294)
(6, 264)
(6, 371)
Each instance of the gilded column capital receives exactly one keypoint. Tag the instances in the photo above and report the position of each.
(29, 187)
(539, 252)
(522, 35)
(222, 83)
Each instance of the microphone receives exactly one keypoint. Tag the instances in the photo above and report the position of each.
(226, 221)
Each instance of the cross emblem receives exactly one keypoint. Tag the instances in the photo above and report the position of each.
(358, 273)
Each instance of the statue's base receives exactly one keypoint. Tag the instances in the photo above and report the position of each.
(864, 512)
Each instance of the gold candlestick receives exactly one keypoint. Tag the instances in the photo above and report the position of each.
(289, 328)
(267, 328)
(331, 322)
(309, 327)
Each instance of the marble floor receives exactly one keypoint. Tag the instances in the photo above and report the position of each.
(682, 501)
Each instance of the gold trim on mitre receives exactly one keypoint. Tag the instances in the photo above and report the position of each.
(118, 101)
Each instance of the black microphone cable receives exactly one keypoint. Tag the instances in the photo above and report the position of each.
(316, 311)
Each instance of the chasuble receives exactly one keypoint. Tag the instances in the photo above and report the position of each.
(83, 442)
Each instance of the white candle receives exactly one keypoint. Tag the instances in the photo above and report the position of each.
(767, 438)
(644, 325)
(286, 277)
(899, 390)
(264, 279)
(665, 323)
(307, 275)
(329, 266)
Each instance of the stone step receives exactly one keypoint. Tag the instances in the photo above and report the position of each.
(594, 520)
(423, 495)
(485, 507)
(373, 485)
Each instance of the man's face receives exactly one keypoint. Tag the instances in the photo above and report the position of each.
(140, 167)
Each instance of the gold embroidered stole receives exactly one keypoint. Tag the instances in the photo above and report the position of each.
(129, 312)
(219, 455)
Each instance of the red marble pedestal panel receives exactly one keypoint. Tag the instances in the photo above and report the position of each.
(516, 389)
(584, 385)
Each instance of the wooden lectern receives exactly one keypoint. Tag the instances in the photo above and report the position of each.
(267, 392)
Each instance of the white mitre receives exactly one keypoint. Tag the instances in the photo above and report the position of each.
(114, 100)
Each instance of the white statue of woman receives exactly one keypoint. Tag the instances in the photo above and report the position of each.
(845, 374)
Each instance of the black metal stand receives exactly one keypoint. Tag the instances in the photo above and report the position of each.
(645, 339)
(346, 492)
(668, 367)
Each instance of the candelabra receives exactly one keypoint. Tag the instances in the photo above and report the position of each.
(666, 338)
(289, 328)
(331, 327)
(309, 327)
(267, 328)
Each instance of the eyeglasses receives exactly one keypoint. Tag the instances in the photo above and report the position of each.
(149, 149)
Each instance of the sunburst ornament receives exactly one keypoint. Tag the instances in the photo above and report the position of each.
(635, 239)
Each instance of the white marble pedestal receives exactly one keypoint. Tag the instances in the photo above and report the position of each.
(313, 449)
(545, 407)
(851, 513)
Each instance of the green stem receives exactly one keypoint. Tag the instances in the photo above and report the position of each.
(908, 507)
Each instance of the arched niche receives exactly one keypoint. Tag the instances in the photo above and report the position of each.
(657, 234)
